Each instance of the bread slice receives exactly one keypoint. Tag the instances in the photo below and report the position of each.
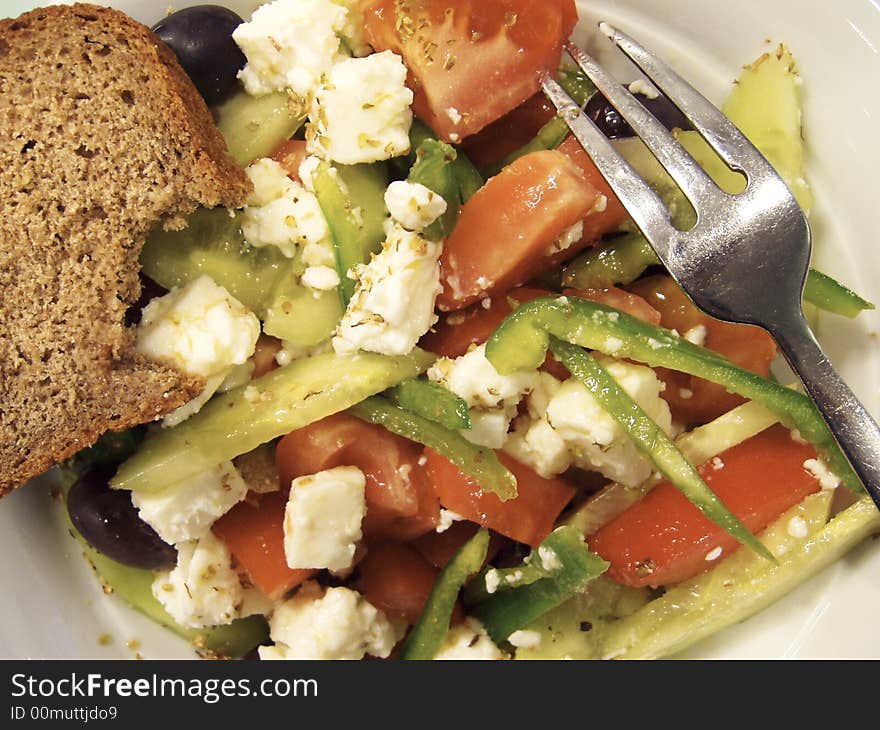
(102, 135)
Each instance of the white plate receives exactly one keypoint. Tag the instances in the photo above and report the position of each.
(53, 606)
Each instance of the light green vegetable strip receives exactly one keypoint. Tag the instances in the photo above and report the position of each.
(254, 126)
(522, 339)
(352, 199)
(434, 169)
(740, 586)
(651, 441)
(554, 132)
(281, 401)
(427, 636)
(697, 446)
(508, 611)
(832, 296)
(432, 401)
(476, 461)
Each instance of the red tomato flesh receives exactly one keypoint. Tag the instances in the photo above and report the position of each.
(290, 156)
(620, 299)
(470, 61)
(254, 533)
(528, 518)
(663, 539)
(400, 502)
(507, 229)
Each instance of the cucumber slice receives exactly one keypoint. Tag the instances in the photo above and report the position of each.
(271, 406)
(254, 126)
(303, 316)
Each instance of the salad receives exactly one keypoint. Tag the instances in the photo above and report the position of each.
(454, 408)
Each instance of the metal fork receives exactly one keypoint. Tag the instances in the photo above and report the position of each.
(746, 259)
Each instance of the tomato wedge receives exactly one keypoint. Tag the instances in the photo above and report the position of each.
(400, 502)
(621, 299)
(438, 548)
(470, 61)
(694, 401)
(506, 231)
(528, 518)
(254, 533)
(290, 155)
(663, 539)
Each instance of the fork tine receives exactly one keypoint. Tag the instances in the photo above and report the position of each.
(721, 134)
(682, 168)
(643, 204)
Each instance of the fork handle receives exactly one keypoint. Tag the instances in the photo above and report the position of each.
(855, 429)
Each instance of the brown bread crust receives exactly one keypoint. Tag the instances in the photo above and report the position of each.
(102, 135)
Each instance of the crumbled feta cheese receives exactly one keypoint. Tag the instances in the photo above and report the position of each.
(320, 278)
(468, 640)
(524, 639)
(493, 580)
(827, 479)
(685, 393)
(306, 172)
(717, 463)
(549, 559)
(322, 520)
(186, 510)
(697, 335)
(454, 115)
(413, 205)
(203, 589)
(568, 238)
(289, 44)
(566, 426)
(393, 302)
(713, 554)
(640, 86)
(319, 254)
(361, 111)
(491, 397)
(447, 518)
(281, 212)
(336, 623)
(797, 438)
(797, 528)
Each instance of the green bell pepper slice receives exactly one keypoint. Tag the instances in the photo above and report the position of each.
(476, 461)
(427, 636)
(521, 341)
(507, 611)
(432, 401)
(434, 169)
(651, 441)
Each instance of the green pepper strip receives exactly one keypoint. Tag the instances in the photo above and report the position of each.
(625, 259)
(504, 613)
(521, 341)
(529, 571)
(434, 169)
(554, 132)
(427, 636)
(651, 441)
(432, 401)
(476, 461)
(467, 177)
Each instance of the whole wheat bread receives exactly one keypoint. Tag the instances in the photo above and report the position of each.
(101, 135)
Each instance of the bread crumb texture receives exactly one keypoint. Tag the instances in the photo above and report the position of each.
(102, 136)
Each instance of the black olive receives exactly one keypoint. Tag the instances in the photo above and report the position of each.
(201, 38)
(613, 126)
(109, 522)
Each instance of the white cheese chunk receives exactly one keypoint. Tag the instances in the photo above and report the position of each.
(393, 302)
(336, 623)
(413, 205)
(361, 112)
(468, 640)
(186, 510)
(203, 589)
(289, 44)
(320, 278)
(322, 520)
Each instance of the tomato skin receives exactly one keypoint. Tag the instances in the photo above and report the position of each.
(254, 533)
(507, 229)
(400, 501)
(290, 155)
(264, 355)
(694, 401)
(620, 299)
(480, 58)
(760, 479)
(528, 518)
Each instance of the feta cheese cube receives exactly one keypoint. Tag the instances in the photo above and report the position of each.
(492, 398)
(393, 302)
(203, 589)
(361, 112)
(336, 623)
(289, 44)
(322, 520)
(469, 640)
(413, 205)
(320, 278)
(186, 510)
(281, 212)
